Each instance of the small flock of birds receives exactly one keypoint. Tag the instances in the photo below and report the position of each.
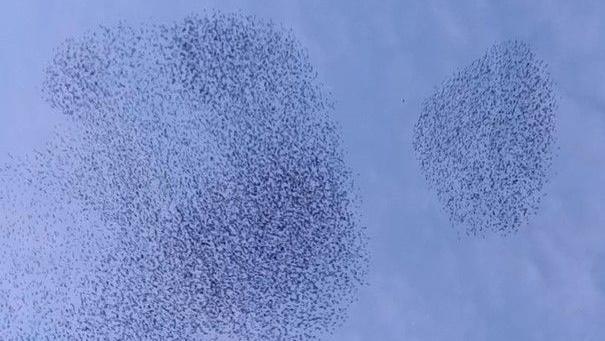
(485, 140)
(196, 191)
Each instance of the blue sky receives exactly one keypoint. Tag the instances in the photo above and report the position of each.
(545, 283)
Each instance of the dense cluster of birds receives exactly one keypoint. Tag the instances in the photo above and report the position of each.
(196, 191)
(485, 140)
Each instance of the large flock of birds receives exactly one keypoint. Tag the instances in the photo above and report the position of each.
(485, 140)
(197, 188)
(196, 191)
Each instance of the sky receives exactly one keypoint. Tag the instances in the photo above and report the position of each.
(547, 282)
